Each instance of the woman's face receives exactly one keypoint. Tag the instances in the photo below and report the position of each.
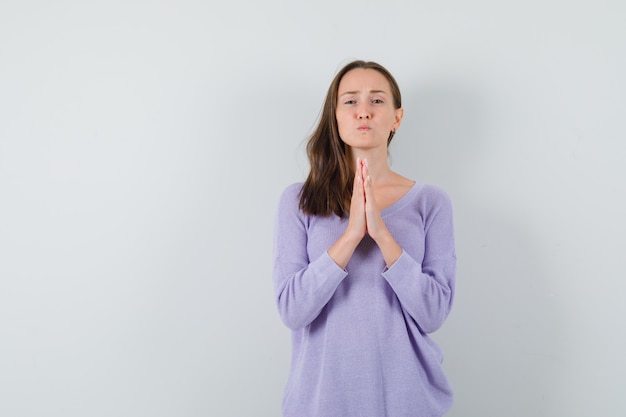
(365, 111)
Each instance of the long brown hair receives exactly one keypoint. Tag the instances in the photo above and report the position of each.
(328, 187)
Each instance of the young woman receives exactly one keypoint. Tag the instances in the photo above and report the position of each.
(364, 265)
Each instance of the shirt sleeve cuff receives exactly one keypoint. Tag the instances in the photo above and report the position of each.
(330, 268)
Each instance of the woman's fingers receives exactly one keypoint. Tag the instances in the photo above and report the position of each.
(368, 188)
(373, 220)
(357, 224)
(357, 189)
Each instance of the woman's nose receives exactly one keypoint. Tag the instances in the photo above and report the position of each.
(364, 112)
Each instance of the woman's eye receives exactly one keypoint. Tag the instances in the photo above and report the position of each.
(377, 101)
(350, 101)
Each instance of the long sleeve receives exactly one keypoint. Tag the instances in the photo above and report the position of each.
(302, 286)
(426, 289)
(359, 336)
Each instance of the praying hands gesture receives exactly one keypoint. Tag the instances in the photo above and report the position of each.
(364, 219)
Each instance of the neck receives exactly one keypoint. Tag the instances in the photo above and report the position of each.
(377, 164)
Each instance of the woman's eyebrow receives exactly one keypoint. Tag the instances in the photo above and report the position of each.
(357, 91)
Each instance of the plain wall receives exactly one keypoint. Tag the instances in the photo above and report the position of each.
(144, 145)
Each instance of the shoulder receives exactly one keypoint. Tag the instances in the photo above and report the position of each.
(290, 198)
(432, 199)
(435, 194)
(291, 192)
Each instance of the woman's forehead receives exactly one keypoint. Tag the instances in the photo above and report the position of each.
(363, 80)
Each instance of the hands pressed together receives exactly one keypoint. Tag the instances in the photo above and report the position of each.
(364, 214)
(364, 219)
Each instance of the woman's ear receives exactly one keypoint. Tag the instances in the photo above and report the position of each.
(397, 119)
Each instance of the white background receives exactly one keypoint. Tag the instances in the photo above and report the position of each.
(143, 147)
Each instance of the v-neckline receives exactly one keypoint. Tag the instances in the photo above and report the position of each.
(399, 203)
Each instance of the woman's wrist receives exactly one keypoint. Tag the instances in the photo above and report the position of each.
(389, 248)
(341, 251)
